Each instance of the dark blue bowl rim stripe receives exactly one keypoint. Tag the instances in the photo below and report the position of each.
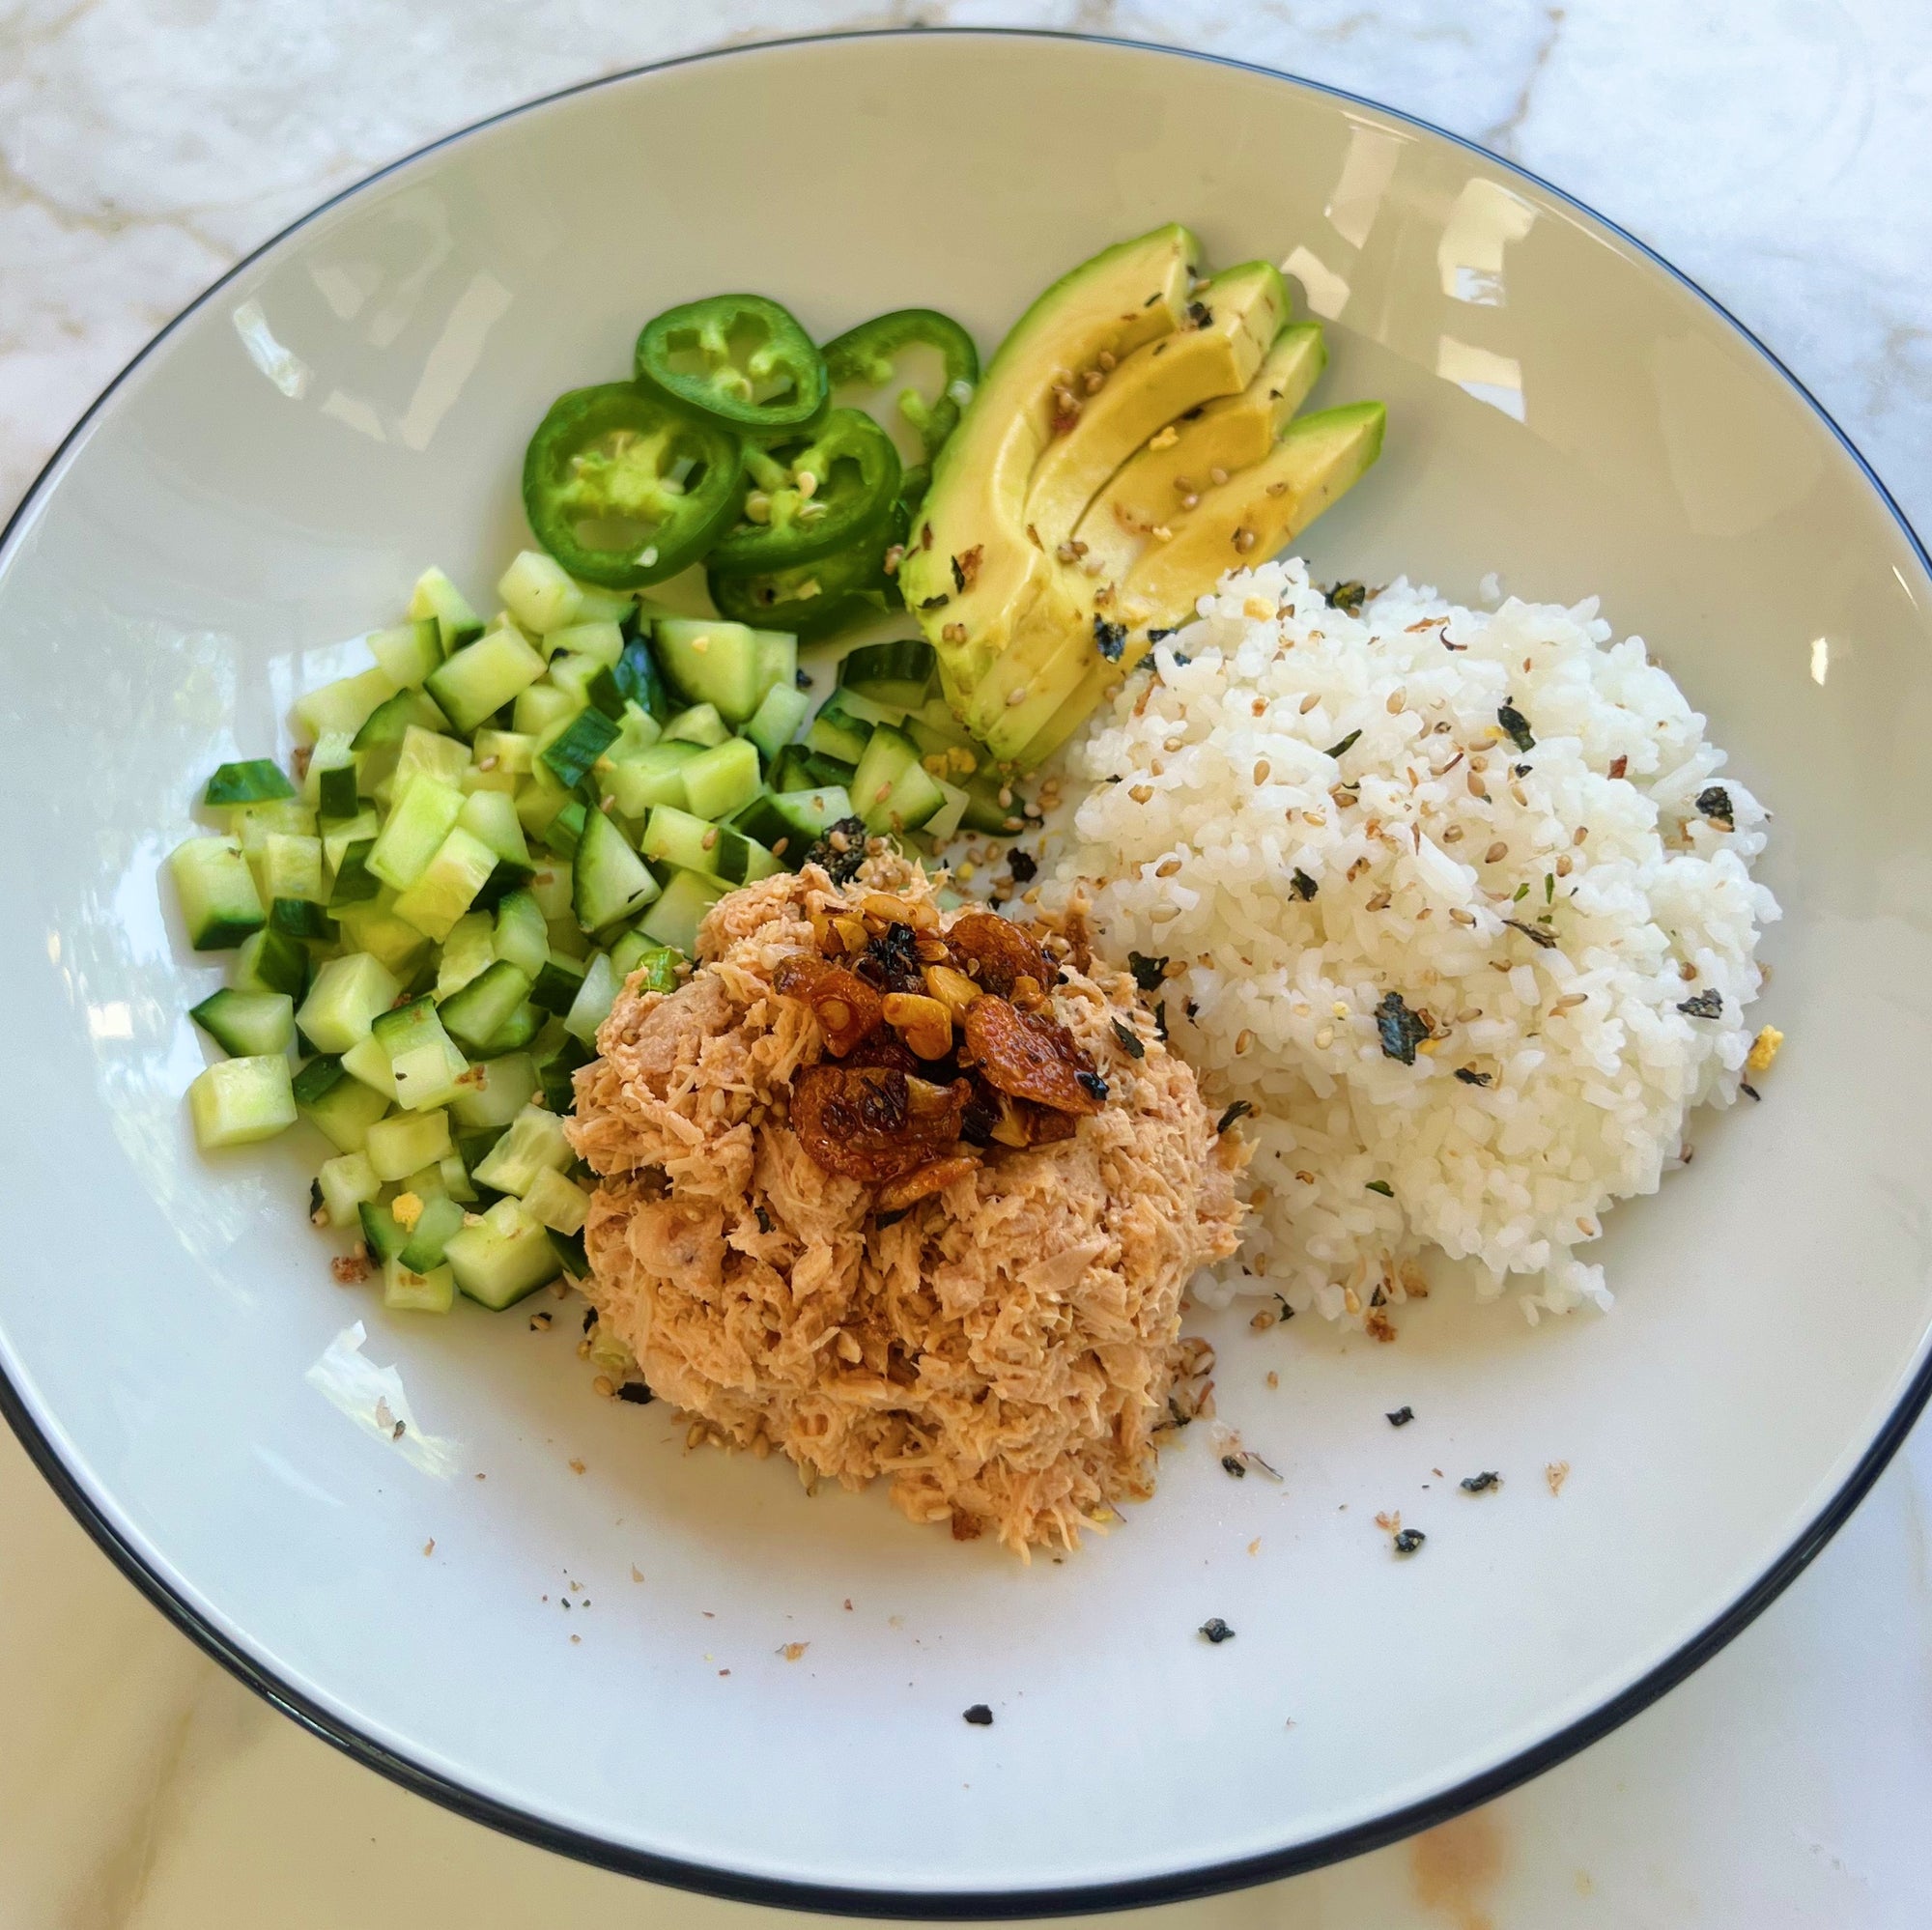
(991, 1904)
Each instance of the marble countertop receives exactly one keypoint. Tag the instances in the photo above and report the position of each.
(1777, 155)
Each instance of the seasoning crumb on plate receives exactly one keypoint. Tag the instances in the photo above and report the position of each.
(1557, 1474)
(793, 1650)
(1217, 1631)
(429, 1546)
(1408, 1541)
(1480, 1484)
(1401, 1417)
(979, 1715)
(575, 1465)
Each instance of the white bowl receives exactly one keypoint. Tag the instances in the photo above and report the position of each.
(352, 404)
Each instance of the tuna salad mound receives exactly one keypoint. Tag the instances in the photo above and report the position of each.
(906, 1193)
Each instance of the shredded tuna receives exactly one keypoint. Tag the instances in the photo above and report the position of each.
(1001, 1350)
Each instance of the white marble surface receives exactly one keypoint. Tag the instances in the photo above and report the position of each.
(1777, 153)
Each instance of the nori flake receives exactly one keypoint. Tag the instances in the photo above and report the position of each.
(1147, 972)
(936, 602)
(764, 1219)
(1348, 597)
(1109, 638)
(1158, 636)
(1023, 865)
(1235, 1466)
(1130, 1040)
(1382, 1187)
(840, 866)
(1400, 1418)
(1481, 1484)
(315, 1199)
(1703, 1005)
(1716, 804)
(1217, 1630)
(1401, 1028)
(1470, 1077)
(1408, 1541)
(1303, 885)
(1749, 1090)
(636, 1393)
(1529, 931)
(1092, 1085)
(1160, 1022)
(979, 1715)
(1517, 724)
(1239, 1110)
(1347, 743)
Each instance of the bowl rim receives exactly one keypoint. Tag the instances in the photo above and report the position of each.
(853, 1900)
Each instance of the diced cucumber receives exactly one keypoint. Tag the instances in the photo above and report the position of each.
(513, 1034)
(557, 1202)
(440, 1217)
(787, 823)
(654, 777)
(289, 866)
(703, 725)
(496, 1092)
(573, 674)
(217, 892)
(519, 933)
(410, 651)
(500, 758)
(237, 1101)
(550, 886)
(890, 755)
(337, 791)
(376, 929)
(985, 811)
(369, 1065)
(774, 653)
(944, 821)
(345, 705)
(492, 817)
(449, 884)
(595, 997)
(636, 731)
(539, 798)
(534, 1144)
(914, 801)
(382, 1234)
(657, 963)
(778, 717)
(345, 1182)
(482, 1006)
(596, 604)
(423, 816)
(392, 720)
(577, 747)
(902, 671)
(345, 1000)
(639, 681)
(674, 919)
(710, 660)
(544, 708)
(470, 948)
(331, 757)
(557, 985)
(444, 758)
(565, 831)
(798, 769)
(505, 1256)
(423, 1063)
(600, 639)
(539, 594)
(247, 1025)
(270, 961)
(556, 1065)
(337, 1104)
(457, 624)
(301, 918)
(401, 1143)
(473, 686)
(256, 780)
(340, 836)
(678, 837)
(407, 1291)
(455, 1176)
(837, 731)
(608, 880)
(866, 711)
(718, 780)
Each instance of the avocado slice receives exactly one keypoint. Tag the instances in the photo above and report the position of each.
(971, 574)
(1229, 435)
(1317, 460)
(1231, 325)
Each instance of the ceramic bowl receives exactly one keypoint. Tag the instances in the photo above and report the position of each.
(535, 1605)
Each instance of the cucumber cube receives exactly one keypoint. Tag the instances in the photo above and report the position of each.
(424, 815)
(506, 1256)
(346, 1181)
(217, 892)
(534, 1144)
(238, 1102)
(248, 1024)
(289, 866)
(539, 594)
(407, 1292)
(712, 662)
(592, 1006)
(518, 935)
(348, 995)
(368, 1064)
(256, 780)
(496, 1092)
(376, 929)
(271, 961)
(483, 676)
(444, 758)
(435, 595)
(492, 817)
(447, 885)
(467, 951)
(474, 1015)
(410, 652)
(653, 776)
(703, 725)
(601, 639)
(440, 1217)
(559, 1203)
(397, 1145)
(719, 780)
(609, 881)
(543, 709)
(338, 1104)
(775, 721)
(423, 1061)
(674, 919)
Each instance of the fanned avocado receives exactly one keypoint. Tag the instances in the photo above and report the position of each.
(973, 576)
(1316, 460)
(1229, 435)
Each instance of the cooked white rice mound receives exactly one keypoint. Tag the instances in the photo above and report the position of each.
(1294, 884)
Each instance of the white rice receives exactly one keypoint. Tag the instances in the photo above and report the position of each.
(1216, 769)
